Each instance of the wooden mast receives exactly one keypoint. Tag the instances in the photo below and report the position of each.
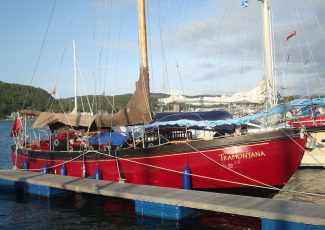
(142, 34)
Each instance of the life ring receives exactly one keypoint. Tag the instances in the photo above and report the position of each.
(91, 148)
(151, 145)
(56, 142)
(70, 148)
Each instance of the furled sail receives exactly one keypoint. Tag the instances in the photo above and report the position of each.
(137, 111)
(256, 95)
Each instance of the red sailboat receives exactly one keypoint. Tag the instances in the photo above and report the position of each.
(226, 163)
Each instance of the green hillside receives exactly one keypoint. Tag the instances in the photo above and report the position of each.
(12, 98)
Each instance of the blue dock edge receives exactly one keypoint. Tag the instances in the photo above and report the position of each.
(45, 191)
(165, 211)
(268, 224)
(32, 189)
(11, 185)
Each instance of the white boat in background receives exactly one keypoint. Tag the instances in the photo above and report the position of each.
(315, 157)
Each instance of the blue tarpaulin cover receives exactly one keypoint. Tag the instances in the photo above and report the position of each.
(116, 138)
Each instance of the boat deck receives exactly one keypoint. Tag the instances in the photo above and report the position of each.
(291, 211)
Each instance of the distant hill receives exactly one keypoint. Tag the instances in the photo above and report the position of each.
(12, 98)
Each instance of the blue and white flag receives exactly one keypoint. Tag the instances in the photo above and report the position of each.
(245, 4)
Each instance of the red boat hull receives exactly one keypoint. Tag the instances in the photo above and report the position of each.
(308, 122)
(262, 163)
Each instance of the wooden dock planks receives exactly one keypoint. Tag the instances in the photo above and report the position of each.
(291, 211)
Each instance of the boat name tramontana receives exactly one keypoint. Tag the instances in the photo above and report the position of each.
(227, 157)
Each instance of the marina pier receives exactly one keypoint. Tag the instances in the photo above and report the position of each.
(272, 212)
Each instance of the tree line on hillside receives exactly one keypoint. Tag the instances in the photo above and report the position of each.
(15, 97)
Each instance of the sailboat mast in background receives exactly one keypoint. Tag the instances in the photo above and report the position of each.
(268, 54)
(75, 79)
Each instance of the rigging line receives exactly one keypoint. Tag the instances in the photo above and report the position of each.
(239, 50)
(39, 56)
(57, 96)
(75, 6)
(314, 63)
(174, 37)
(223, 42)
(109, 31)
(82, 102)
(241, 35)
(153, 85)
(94, 46)
(180, 78)
(48, 102)
(175, 171)
(257, 39)
(299, 42)
(320, 80)
(216, 179)
(317, 18)
(214, 67)
(164, 26)
(100, 52)
(118, 49)
(110, 104)
(206, 47)
(245, 62)
(94, 37)
(163, 51)
(235, 43)
(312, 93)
(82, 79)
(69, 82)
(313, 177)
(297, 77)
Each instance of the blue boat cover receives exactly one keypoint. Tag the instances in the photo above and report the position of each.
(114, 138)
(193, 120)
(214, 121)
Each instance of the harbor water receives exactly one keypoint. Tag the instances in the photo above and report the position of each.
(87, 211)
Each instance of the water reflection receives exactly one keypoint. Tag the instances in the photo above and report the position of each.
(87, 211)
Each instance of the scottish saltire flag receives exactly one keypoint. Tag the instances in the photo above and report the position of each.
(245, 4)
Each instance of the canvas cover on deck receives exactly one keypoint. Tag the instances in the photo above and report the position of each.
(137, 111)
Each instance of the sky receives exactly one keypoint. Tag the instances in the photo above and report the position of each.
(199, 47)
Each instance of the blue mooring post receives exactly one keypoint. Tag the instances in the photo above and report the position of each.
(98, 175)
(186, 178)
(26, 165)
(63, 170)
(45, 169)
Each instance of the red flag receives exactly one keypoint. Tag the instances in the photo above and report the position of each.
(15, 129)
(291, 35)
